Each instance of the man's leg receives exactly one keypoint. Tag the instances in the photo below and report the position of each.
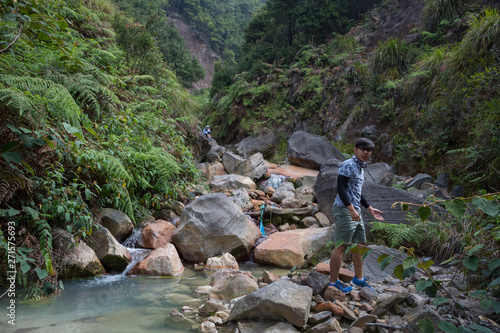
(358, 263)
(335, 262)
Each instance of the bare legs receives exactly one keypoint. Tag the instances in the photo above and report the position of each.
(336, 260)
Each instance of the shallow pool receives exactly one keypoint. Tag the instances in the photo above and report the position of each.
(115, 303)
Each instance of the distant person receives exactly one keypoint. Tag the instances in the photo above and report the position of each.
(349, 225)
(207, 132)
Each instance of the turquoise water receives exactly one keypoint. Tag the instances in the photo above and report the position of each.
(115, 303)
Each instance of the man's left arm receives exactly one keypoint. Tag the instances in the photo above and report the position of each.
(373, 211)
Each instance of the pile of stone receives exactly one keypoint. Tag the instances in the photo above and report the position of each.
(236, 301)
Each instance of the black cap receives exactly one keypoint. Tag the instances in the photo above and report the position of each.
(364, 143)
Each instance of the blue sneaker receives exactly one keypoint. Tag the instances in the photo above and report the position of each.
(360, 283)
(340, 286)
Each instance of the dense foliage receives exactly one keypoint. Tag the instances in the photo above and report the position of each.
(92, 117)
(435, 98)
(153, 23)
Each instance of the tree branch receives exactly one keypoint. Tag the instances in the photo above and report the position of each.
(15, 39)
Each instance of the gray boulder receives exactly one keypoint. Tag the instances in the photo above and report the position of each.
(79, 260)
(310, 151)
(212, 225)
(380, 173)
(118, 223)
(256, 143)
(252, 167)
(281, 301)
(371, 267)
(378, 196)
(419, 180)
(285, 190)
(113, 256)
(325, 187)
(231, 182)
(215, 153)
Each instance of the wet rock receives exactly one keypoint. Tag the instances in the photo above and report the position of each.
(226, 261)
(113, 256)
(208, 327)
(234, 284)
(163, 261)
(269, 277)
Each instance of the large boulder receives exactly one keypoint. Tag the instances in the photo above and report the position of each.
(228, 285)
(380, 173)
(118, 223)
(157, 234)
(113, 256)
(285, 190)
(256, 143)
(378, 196)
(79, 260)
(310, 151)
(252, 167)
(292, 248)
(209, 170)
(325, 187)
(281, 301)
(212, 225)
(231, 182)
(163, 261)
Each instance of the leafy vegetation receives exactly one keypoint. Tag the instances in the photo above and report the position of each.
(92, 117)
(437, 97)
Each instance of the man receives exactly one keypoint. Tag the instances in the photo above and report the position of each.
(349, 225)
(207, 132)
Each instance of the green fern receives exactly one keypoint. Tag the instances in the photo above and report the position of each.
(396, 235)
(37, 91)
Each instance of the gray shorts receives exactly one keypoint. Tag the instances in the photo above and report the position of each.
(346, 229)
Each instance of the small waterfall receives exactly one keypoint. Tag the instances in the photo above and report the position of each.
(137, 254)
(131, 241)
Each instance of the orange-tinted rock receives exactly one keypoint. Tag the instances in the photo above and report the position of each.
(329, 306)
(158, 234)
(333, 294)
(345, 275)
(291, 171)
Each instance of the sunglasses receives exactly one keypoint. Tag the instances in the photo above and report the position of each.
(369, 150)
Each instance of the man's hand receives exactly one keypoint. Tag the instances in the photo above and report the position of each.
(354, 213)
(376, 213)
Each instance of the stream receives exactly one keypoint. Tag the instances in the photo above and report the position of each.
(117, 303)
